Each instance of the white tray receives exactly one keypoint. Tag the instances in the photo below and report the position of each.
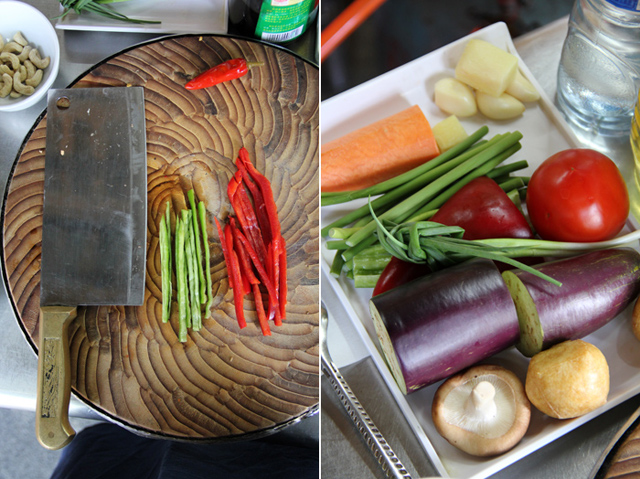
(186, 16)
(545, 133)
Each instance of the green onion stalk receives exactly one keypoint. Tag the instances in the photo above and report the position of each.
(440, 246)
(99, 7)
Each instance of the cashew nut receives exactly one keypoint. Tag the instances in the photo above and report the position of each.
(19, 38)
(20, 87)
(34, 56)
(7, 85)
(25, 53)
(35, 80)
(12, 47)
(11, 58)
(21, 67)
(23, 73)
(31, 68)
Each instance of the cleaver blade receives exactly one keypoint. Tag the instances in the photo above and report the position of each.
(94, 228)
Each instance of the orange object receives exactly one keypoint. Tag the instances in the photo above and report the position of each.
(345, 23)
(377, 152)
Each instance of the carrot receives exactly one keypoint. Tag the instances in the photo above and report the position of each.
(377, 152)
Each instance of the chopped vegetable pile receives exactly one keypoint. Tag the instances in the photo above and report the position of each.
(253, 247)
(183, 251)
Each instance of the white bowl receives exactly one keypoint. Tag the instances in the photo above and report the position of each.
(37, 29)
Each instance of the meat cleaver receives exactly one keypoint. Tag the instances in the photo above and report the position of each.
(94, 228)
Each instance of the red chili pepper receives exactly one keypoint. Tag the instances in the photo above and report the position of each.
(234, 271)
(262, 319)
(264, 277)
(267, 194)
(225, 251)
(245, 266)
(283, 281)
(225, 71)
(248, 221)
(258, 200)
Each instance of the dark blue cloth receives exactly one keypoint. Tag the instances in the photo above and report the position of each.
(109, 451)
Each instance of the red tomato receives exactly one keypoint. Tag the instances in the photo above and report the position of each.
(577, 195)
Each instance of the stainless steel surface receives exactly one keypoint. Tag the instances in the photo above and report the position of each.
(365, 425)
(571, 456)
(95, 198)
(79, 51)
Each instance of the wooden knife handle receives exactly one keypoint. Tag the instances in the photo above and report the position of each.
(54, 377)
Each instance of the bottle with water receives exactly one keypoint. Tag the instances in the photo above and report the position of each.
(599, 73)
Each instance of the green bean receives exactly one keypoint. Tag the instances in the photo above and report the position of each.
(207, 257)
(197, 246)
(181, 278)
(165, 269)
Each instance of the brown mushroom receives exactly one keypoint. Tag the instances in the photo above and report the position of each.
(482, 411)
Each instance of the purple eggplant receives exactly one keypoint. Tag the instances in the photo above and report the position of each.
(596, 287)
(441, 323)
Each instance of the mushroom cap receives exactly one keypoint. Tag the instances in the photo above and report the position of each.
(568, 380)
(482, 434)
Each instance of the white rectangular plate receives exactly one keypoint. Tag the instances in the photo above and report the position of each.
(544, 133)
(186, 16)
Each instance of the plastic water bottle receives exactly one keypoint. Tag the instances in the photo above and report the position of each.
(599, 73)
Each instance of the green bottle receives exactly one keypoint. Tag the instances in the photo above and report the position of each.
(276, 21)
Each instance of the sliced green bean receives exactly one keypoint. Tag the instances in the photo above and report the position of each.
(202, 214)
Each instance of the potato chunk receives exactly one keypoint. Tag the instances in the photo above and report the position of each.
(486, 68)
(449, 132)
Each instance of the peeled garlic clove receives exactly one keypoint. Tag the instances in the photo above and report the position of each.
(522, 89)
(503, 107)
(454, 97)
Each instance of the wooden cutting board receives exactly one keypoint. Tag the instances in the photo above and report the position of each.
(223, 382)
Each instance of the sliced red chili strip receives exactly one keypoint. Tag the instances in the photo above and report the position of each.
(283, 282)
(267, 193)
(274, 310)
(262, 318)
(245, 265)
(250, 227)
(275, 276)
(234, 269)
(225, 251)
(258, 201)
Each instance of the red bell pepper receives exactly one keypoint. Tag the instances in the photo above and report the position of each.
(397, 273)
(484, 210)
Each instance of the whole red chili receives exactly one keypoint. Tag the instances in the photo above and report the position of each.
(225, 71)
